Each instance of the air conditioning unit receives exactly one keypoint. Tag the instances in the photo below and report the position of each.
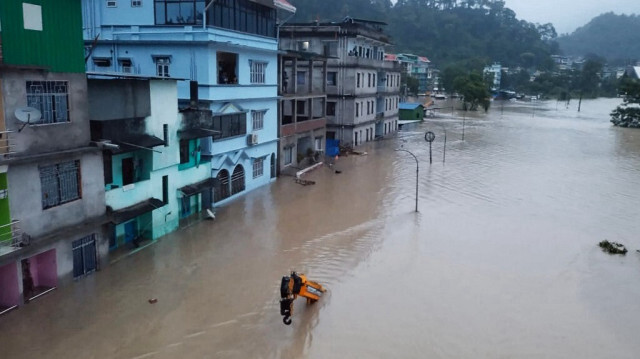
(252, 139)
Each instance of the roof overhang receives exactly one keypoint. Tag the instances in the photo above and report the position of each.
(198, 187)
(133, 143)
(127, 213)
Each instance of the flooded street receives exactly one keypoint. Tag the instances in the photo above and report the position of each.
(500, 262)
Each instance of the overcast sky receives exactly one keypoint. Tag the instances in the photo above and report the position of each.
(568, 15)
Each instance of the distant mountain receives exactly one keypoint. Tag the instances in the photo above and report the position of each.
(611, 36)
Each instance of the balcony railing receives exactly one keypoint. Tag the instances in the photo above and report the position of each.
(11, 237)
(6, 147)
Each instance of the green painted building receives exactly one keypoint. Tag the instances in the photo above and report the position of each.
(411, 111)
(5, 216)
(52, 30)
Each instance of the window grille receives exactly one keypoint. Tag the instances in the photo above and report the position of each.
(222, 190)
(51, 98)
(136, 3)
(258, 119)
(258, 72)
(237, 180)
(60, 183)
(112, 3)
(258, 167)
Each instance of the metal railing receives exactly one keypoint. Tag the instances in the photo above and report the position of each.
(6, 147)
(12, 236)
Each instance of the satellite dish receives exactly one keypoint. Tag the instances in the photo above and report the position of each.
(28, 114)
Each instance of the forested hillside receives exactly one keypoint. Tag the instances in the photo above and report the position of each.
(611, 36)
(447, 31)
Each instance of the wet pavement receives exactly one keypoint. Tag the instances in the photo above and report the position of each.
(501, 261)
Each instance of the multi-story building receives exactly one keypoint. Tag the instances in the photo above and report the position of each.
(362, 88)
(417, 67)
(229, 47)
(303, 99)
(494, 70)
(154, 174)
(52, 204)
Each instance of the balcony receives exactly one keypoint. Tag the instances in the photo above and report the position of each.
(6, 147)
(129, 195)
(303, 126)
(11, 237)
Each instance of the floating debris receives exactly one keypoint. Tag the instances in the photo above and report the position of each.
(613, 247)
(153, 300)
(304, 182)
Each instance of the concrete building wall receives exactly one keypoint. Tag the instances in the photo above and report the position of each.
(26, 195)
(36, 138)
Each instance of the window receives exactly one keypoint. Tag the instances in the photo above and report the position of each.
(332, 78)
(227, 68)
(165, 134)
(258, 167)
(301, 77)
(178, 12)
(162, 66)
(257, 72)
(184, 151)
(51, 98)
(303, 45)
(301, 107)
(257, 118)
(60, 183)
(318, 143)
(230, 125)
(358, 81)
(239, 15)
(331, 108)
(357, 109)
(125, 65)
(136, 3)
(165, 189)
(32, 16)
(112, 3)
(237, 180)
(369, 80)
(222, 188)
(288, 155)
(331, 48)
(102, 61)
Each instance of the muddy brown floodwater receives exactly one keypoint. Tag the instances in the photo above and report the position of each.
(500, 262)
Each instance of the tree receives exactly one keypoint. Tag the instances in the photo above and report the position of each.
(473, 89)
(411, 82)
(628, 113)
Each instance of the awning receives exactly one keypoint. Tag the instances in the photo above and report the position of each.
(193, 133)
(198, 187)
(127, 213)
(136, 142)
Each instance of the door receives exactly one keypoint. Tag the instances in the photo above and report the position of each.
(130, 229)
(84, 256)
(127, 171)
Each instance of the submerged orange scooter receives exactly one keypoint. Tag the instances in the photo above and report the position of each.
(294, 286)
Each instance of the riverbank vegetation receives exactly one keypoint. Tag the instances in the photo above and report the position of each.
(628, 113)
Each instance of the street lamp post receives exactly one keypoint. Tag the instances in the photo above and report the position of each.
(417, 171)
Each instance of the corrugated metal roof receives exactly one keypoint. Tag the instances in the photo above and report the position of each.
(409, 105)
(390, 57)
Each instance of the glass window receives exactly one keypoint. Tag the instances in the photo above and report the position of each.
(331, 108)
(288, 155)
(332, 78)
(51, 98)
